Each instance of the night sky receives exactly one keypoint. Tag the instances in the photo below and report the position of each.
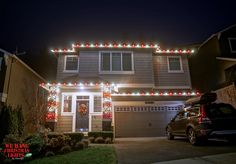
(36, 26)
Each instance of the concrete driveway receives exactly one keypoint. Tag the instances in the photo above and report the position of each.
(150, 150)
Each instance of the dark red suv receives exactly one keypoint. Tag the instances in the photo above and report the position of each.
(204, 119)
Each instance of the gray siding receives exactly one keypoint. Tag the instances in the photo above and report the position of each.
(164, 78)
(89, 67)
(148, 69)
(60, 68)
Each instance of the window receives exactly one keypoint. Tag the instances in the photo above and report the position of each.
(67, 102)
(71, 63)
(179, 116)
(232, 44)
(97, 104)
(174, 64)
(116, 62)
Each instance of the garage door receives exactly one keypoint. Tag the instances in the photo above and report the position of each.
(143, 121)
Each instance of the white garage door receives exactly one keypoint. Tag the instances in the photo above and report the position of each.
(143, 121)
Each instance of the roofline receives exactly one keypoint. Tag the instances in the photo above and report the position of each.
(23, 63)
(227, 59)
(216, 34)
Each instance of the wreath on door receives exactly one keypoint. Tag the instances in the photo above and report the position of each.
(83, 109)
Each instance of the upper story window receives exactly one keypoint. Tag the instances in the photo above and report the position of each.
(71, 63)
(174, 64)
(116, 62)
(232, 44)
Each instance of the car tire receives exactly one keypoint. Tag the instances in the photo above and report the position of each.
(169, 134)
(193, 139)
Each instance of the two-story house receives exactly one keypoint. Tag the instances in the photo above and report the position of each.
(213, 67)
(133, 89)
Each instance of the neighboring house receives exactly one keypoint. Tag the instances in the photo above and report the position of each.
(19, 86)
(213, 67)
(133, 89)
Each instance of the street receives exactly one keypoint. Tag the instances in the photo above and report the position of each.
(150, 150)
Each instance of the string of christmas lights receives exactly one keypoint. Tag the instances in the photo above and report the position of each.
(149, 92)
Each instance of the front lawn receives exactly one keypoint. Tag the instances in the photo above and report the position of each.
(91, 155)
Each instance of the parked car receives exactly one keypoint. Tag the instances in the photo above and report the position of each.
(204, 119)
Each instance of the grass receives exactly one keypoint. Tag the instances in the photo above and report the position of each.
(91, 155)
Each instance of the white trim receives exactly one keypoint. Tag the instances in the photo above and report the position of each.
(70, 71)
(3, 97)
(231, 50)
(116, 72)
(6, 54)
(1, 61)
(135, 85)
(62, 105)
(181, 65)
(173, 87)
(227, 59)
(73, 113)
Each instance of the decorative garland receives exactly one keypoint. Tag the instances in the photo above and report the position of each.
(83, 109)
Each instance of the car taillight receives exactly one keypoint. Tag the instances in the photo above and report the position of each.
(203, 119)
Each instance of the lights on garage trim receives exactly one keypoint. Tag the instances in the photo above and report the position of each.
(183, 93)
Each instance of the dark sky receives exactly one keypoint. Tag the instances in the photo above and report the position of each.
(36, 24)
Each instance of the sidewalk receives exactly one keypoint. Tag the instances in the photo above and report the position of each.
(227, 158)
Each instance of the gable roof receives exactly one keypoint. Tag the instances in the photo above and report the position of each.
(217, 34)
(23, 63)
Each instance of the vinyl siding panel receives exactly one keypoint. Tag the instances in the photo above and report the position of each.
(96, 123)
(89, 67)
(164, 78)
(60, 68)
(64, 124)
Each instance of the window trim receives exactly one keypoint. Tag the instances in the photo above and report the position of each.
(116, 72)
(73, 103)
(231, 50)
(181, 65)
(62, 105)
(70, 71)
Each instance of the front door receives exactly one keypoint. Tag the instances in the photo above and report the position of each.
(82, 114)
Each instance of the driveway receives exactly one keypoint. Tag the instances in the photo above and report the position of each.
(150, 150)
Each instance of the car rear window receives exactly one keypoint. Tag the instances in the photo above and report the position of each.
(220, 110)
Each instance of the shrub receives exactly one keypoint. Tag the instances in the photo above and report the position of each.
(55, 142)
(53, 135)
(12, 138)
(36, 143)
(49, 154)
(65, 149)
(91, 139)
(79, 146)
(103, 134)
(75, 137)
(108, 140)
(99, 140)
(11, 121)
(86, 143)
